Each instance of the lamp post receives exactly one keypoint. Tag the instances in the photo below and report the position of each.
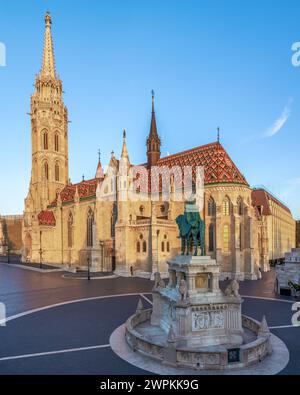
(157, 233)
(41, 258)
(8, 250)
(88, 273)
(102, 255)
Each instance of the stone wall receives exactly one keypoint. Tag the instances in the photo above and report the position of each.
(12, 232)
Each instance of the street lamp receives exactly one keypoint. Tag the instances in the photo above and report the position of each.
(89, 274)
(157, 251)
(41, 254)
(8, 250)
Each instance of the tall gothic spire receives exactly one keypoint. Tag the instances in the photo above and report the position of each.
(153, 141)
(153, 128)
(48, 64)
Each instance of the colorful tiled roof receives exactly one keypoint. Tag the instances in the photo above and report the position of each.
(261, 197)
(218, 166)
(86, 189)
(46, 218)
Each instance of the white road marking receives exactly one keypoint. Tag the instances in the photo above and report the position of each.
(40, 354)
(284, 326)
(148, 300)
(271, 299)
(13, 317)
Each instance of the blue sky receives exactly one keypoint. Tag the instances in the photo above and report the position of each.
(211, 63)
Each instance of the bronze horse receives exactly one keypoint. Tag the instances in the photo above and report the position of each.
(191, 228)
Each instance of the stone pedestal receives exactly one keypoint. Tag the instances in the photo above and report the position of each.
(194, 324)
(195, 307)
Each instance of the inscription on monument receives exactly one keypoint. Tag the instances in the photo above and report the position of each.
(207, 319)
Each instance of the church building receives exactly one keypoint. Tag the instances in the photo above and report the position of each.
(75, 225)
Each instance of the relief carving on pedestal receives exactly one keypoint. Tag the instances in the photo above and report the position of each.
(207, 319)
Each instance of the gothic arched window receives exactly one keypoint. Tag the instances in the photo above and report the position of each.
(211, 207)
(211, 238)
(138, 247)
(56, 172)
(113, 220)
(56, 142)
(226, 239)
(226, 206)
(46, 170)
(168, 246)
(70, 230)
(144, 246)
(240, 206)
(241, 237)
(90, 222)
(163, 246)
(45, 139)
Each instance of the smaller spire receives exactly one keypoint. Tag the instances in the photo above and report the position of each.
(124, 154)
(218, 136)
(99, 171)
(82, 177)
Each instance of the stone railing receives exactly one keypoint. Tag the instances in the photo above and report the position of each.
(249, 354)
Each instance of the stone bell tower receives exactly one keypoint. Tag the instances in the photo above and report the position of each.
(49, 130)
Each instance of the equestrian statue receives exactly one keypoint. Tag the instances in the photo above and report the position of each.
(191, 229)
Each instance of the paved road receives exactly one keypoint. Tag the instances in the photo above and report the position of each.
(89, 323)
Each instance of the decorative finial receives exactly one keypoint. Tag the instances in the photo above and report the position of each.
(82, 177)
(99, 155)
(218, 129)
(48, 20)
(124, 134)
(112, 153)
